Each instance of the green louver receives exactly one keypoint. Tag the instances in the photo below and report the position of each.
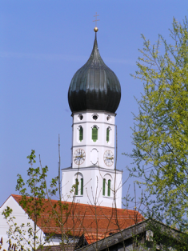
(82, 186)
(107, 135)
(81, 133)
(76, 186)
(104, 183)
(109, 187)
(94, 134)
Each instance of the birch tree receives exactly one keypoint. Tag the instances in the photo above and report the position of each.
(160, 133)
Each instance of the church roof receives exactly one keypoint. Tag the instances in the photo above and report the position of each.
(94, 86)
(95, 222)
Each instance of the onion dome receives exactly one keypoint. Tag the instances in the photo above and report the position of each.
(94, 86)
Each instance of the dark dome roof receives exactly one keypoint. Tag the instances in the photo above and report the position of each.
(94, 86)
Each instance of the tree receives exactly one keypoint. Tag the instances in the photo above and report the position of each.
(160, 134)
(33, 193)
(57, 220)
(35, 200)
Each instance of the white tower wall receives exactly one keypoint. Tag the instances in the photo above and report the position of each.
(93, 186)
(94, 171)
(94, 150)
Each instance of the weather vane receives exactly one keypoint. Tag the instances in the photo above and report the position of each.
(96, 15)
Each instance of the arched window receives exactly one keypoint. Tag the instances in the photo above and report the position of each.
(108, 134)
(104, 184)
(94, 134)
(80, 133)
(76, 186)
(109, 187)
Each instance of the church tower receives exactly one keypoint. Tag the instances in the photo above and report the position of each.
(94, 95)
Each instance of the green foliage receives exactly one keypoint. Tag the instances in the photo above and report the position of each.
(160, 135)
(33, 193)
(22, 235)
(7, 212)
(165, 238)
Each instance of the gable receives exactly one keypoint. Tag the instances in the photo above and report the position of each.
(13, 204)
(20, 215)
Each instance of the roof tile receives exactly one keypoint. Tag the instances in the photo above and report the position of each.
(95, 222)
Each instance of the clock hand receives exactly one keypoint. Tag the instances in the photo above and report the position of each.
(110, 158)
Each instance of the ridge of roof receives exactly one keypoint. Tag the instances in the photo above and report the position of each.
(81, 204)
(5, 201)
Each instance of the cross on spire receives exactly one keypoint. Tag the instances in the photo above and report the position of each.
(96, 15)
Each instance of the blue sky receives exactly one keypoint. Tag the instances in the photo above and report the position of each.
(42, 44)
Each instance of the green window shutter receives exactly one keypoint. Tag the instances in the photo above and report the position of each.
(82, 186)
(104, 183)
(94, 133)
(81, 133)
(109, 187)
(76, 186)
(107, 135)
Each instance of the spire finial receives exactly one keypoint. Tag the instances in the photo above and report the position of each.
(96, 28)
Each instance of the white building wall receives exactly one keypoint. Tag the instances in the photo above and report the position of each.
(20, 217)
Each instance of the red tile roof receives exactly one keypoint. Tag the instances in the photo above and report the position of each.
(95, 222)
(92, 237)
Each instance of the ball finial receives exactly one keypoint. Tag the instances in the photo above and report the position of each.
(96, 29)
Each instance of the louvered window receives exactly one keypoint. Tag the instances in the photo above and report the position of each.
(104, 184)
(82, 186)
(94, 134)
(76, 186)
(81, 133)
(109, 187)
(107, 135)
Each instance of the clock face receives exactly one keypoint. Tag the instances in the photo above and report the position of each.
(79, 156)
(108, 158)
